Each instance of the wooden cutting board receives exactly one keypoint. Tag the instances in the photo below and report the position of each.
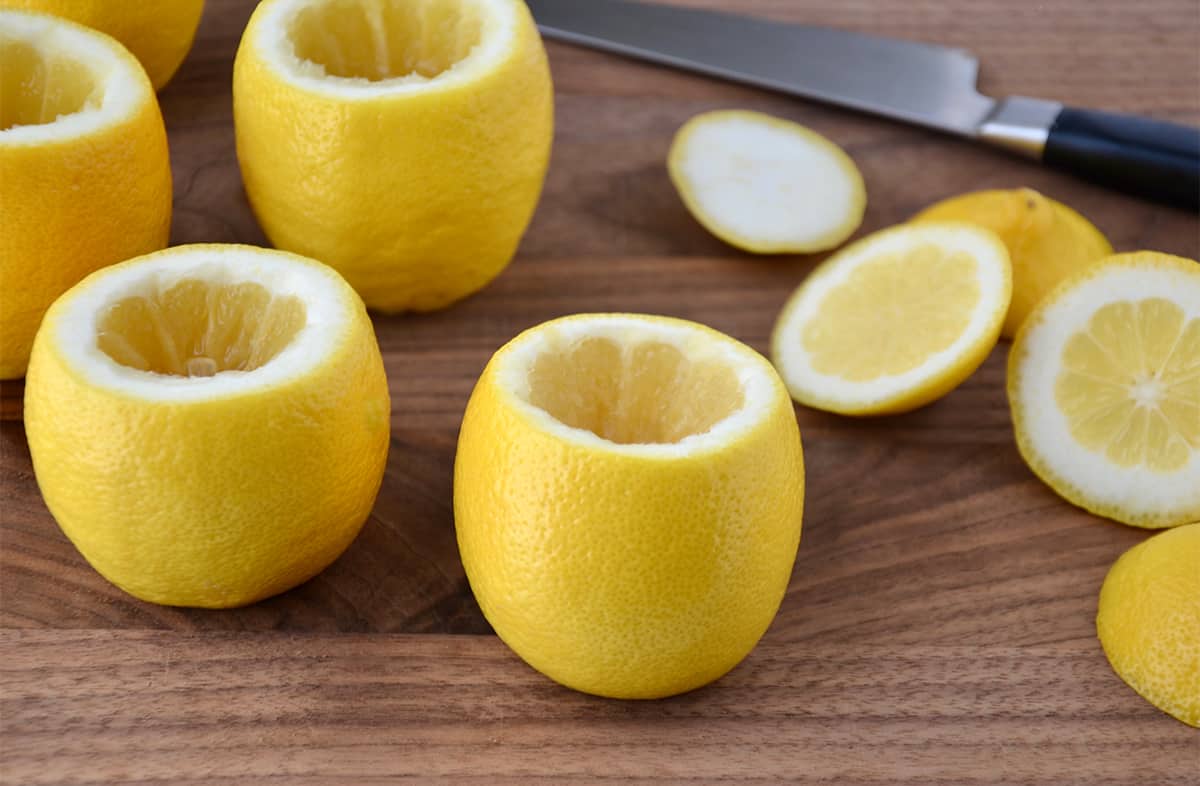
(939, 623)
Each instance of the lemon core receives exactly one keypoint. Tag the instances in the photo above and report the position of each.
(38, 87)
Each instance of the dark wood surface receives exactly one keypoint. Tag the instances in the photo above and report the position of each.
(939, 623)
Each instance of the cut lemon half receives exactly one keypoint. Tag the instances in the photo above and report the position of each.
(894, 321)
(766, 185)
(1104, 386)
(628, 495)
(208, 424)
(1047, 241)
(1149, 621)
(403, 142)
(85, 180)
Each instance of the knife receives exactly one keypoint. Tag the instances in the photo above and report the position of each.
(931, 86)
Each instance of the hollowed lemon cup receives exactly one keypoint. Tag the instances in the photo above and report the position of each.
(628, 495)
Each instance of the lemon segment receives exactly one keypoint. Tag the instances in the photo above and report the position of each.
(894, 321)
(403, 142)
(1047, 241)
(766, 185)
(208, 424)
(1104, 387)
(159, 33)
(628, 494)
(1149, 621)
(85, 180)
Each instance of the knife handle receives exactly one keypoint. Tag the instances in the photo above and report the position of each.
(1136, 155)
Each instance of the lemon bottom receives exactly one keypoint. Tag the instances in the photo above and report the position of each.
(209, 424)
(628, 496)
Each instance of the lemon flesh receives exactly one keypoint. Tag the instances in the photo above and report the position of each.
(628, 494)
(70, 95)
(766, 185)
(1047, 241)
(894, 321)
(159, 33)
(1104, 387)
(208, 424)
(403, 142)
(1149, 621)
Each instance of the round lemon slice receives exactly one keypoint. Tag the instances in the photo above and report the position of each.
(894, 321)
(1104, 386)
(1149, 621)
(628, 494)
(208, 424)
(767, 185)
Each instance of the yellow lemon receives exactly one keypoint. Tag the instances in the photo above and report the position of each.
(85, 180)
(766, 185)
(1149, 621)
(208, 424)
(628, 494)
(1104, 387)
(1047, 241)
(894, 321)
(403, 142)
(159, 33)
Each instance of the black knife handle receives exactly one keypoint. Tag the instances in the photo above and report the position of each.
(1150, 158)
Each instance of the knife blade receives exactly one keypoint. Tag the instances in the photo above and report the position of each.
(924, 84)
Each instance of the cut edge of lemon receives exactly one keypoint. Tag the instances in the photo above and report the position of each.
(273, 36)
(74, 321)
(938, 373)
(766, 185)
(758, 385)
(1132, 495)
(118, 84)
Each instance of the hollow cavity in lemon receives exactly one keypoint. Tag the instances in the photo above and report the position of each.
(1047, 241)
(159, 33)
(894, 321)
(403, 142)
(1104, 387)
(628, 494)
(85, 180)
(1149, 621)
(766, 185)
(208, 424)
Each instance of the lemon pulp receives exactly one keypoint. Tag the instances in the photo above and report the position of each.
(39, 86)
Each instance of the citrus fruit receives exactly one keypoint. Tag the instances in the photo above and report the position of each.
(766, 185)
(403, 142)
(1149, 621)
(1047, 241)
(628, 493)
(209, 423)
(1104, 387)
(84, 176)
(894, 321)
(159, 34)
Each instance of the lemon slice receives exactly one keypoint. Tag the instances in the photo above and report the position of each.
(894, 321)
(767, 185)
(85, 179)
(1104, 386)
(1047, 241)
(208, 424)
(1149, 621)
(628, 494)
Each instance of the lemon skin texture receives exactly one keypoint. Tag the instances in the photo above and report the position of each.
(211, 503)
(626, 577)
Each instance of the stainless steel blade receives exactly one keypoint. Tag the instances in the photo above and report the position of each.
(928, 85)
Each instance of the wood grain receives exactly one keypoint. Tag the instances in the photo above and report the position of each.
(939, 623)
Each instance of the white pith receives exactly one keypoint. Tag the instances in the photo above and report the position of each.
(756, 377)
(1137, 489)
(793, 361)
(766, 182)
(119, 80)
(273, 43)
(329, 312)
